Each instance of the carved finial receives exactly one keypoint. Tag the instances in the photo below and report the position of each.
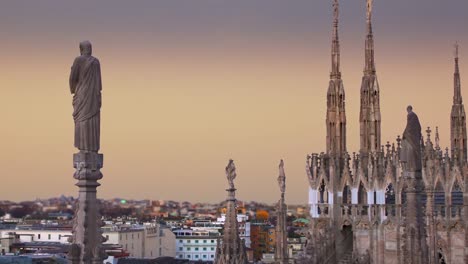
(398, 142)
(428, 131)
(388, 146)
(437, 139)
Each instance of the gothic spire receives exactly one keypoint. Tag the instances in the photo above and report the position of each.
(231, 250)
(457, 97)
(458, 117)
(370, 118)
(370, 64)
(335, 72)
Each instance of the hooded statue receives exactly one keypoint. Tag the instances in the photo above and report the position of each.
(411, 142)
(85, 85)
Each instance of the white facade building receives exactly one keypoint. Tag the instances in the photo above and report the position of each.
(140, 241)
(196, 245)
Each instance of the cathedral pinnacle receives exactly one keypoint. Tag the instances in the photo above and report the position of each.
(457, 98)
(370, 64)
(335, 72)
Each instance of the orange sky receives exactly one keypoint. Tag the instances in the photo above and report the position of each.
(174, 111)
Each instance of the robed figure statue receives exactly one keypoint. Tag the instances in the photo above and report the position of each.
(85, 85)
(411, 142)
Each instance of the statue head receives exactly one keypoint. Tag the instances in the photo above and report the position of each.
(409, 109)
(86, 48)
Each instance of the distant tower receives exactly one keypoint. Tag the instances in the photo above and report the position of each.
(458, 117)
(369, 117)
(281, 252)
(231, 250)
(336, 114)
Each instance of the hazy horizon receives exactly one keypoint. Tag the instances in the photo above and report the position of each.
(187, 85)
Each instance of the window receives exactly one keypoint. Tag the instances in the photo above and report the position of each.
(204, 241)
(204, 249)
(49, 236)
(181, 256)
(196, 241)
(39, 236)
(212, 241)
(188, 249)
(188, 241)
(204, 256)
(181, 241)
(212, 248)
(196, 256)
(212, 256)
(60, 237)
(181, 248)
(196, 249)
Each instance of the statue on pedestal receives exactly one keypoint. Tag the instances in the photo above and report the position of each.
(85, 85)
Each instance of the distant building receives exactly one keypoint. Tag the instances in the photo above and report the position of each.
(140, 241)
(196, 245)
(263, 238)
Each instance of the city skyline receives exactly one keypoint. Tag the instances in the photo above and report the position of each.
(226, 81)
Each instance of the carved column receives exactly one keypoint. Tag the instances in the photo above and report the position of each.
(87, 236)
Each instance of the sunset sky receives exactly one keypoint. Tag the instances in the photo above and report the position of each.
(189, 84)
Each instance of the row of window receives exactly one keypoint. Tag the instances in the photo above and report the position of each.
(49, 236)
(196, 241)
(196, 256)
(126, 236)
(196, 249)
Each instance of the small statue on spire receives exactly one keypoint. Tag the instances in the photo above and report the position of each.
(370, 3)
(231, 173)
(336, 9)
(282, 177)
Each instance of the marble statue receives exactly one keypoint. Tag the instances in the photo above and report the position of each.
(85, 85)
(411, 142)
(231, 173)
(282, 177)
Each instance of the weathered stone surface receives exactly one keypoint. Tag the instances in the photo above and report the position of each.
(85, 85)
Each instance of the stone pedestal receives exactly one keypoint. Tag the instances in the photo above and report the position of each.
(416, 249)
(281, 252)
(86, 234)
